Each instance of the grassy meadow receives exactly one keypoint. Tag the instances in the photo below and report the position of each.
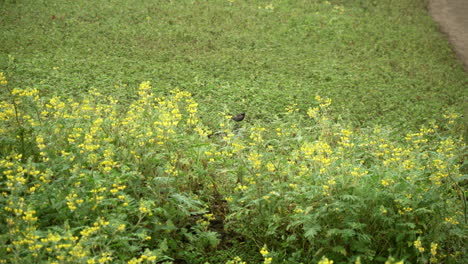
(117, 144)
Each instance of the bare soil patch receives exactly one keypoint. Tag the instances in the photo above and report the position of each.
(452, 17)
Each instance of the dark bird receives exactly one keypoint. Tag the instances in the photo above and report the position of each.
(238, 117)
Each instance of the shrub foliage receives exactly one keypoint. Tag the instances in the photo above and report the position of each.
(93, 180)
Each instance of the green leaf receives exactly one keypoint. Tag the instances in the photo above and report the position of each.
(311, 232)
(340, 249)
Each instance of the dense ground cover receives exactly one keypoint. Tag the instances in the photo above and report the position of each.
(352, 147)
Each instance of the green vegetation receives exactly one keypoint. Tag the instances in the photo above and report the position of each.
(116, 143)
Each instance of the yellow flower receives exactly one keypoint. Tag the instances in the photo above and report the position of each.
(264, 251)
(452, 221)
(434, 249)
(393, 261)
(3, 80)
(271, 167)
(325, 260)
(313, 112)
(383, 210)
(386, 183)
(418, 244)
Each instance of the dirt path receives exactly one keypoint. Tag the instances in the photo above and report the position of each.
(452, 16)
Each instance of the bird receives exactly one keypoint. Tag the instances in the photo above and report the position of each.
(238, 117)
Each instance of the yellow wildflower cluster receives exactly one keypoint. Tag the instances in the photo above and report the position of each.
(313, 112)
(164, 115)
(440, 173)
(358, 172)
(236, 260)
(192, 110)
(298, 211)
(64, 247)
(447, 147)
(29, 216)
(145, 208)
(327, 188)
(7, 111)
(116, 188)
(320, 152)
(30, 92)
(395, 155)
(265, 254)
(256, 135)
(104, 258)
(451, 117)
(241, 187)
(3, 80)
(147, 257)
(323, 102)
(255, 159)
(19, 176)
(88, 231)
(291, 108)
(316, 112)
(418, 245)
(420, 137)
(73, 201)
(271, 167)
(98, 195)
(387, 182)
(451, 220)
(98, 149)
(107, 162)
(205, 221)
(345, 140)
(56, 105)
(237, 147)
(405, 210)
(434, 252)
(14, 110)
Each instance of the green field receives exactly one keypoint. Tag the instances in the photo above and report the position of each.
(116, 143)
